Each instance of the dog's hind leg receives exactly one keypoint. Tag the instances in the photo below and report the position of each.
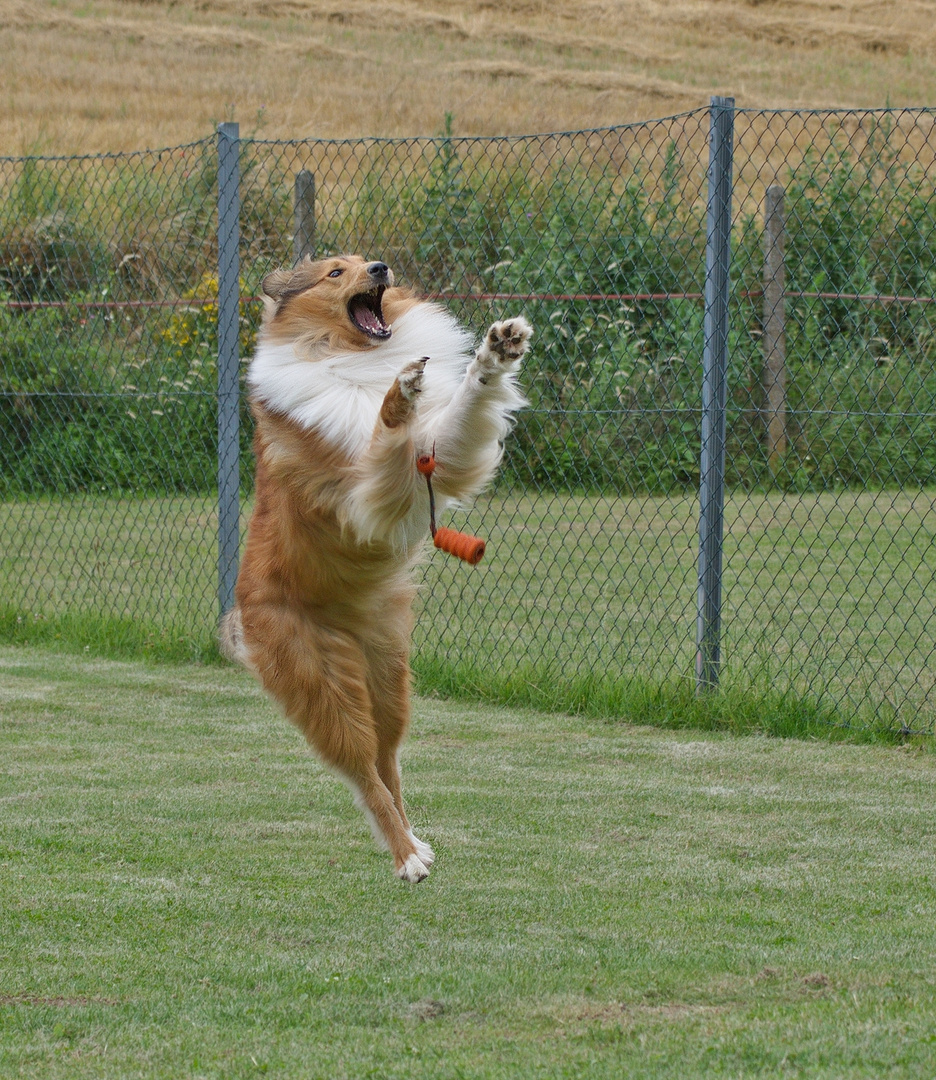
(318, 675)
(389, 675)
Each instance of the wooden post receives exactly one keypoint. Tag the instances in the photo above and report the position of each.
(773, 377)
(304, 215)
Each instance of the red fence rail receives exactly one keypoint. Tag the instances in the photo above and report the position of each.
(746, 294)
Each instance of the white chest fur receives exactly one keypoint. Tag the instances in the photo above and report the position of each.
(338, 395)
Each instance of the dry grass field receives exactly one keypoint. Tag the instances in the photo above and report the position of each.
(112, 75)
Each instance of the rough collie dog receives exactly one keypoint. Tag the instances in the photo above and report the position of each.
(353, 379)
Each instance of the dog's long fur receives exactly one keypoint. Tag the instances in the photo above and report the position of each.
(352, 379)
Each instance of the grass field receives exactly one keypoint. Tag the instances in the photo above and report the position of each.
(184, 892)
(118, 76)
(582, 603)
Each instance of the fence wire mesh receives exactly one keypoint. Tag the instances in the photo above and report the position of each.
(108, 389)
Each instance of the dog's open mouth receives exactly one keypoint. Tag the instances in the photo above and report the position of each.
(366, 313)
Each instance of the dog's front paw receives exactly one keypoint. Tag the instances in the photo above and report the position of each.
(509, 339)
(410, 379)
(399, 404)
(504, 346)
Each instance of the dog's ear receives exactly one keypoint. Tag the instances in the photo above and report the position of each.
(276, 283)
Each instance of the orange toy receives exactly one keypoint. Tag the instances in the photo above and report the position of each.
(468, 548)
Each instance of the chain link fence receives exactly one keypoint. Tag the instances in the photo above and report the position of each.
(727, 469)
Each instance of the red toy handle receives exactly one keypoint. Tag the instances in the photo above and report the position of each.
(470, 549)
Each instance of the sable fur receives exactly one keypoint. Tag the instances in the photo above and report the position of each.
(354, 378)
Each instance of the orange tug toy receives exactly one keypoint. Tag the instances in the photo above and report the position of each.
(465, 547)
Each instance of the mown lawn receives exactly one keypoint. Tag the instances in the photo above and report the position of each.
(185, 892)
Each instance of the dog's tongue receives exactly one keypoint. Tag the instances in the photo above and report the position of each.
(367, 319)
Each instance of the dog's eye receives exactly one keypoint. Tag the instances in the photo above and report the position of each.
(336, 273)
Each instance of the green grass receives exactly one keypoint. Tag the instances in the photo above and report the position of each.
(581, 604)
(185, 892)
(130, 576)
(585, 602)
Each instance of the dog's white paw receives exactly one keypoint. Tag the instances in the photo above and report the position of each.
(410, 379)
(509, 338)
(413, 870)
(504, 346)
(424, 851)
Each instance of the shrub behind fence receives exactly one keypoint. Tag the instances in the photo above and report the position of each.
(824, 581)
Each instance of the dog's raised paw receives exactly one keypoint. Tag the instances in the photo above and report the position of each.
(504, 345)
(411, 377)
(510, 338)
(399, 404)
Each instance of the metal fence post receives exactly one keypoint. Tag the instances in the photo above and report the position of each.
(714, 392)
(773, 379)
(228, 361)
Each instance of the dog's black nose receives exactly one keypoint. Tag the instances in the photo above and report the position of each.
(379, 271)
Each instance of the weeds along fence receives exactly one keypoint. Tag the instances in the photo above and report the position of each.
(725, 475)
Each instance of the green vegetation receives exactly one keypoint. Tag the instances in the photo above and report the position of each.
(615, 387)
(185, 892)
(121, 398)
(105, 385)
(100, 399)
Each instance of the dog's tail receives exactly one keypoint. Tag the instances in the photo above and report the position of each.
(231, 639)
